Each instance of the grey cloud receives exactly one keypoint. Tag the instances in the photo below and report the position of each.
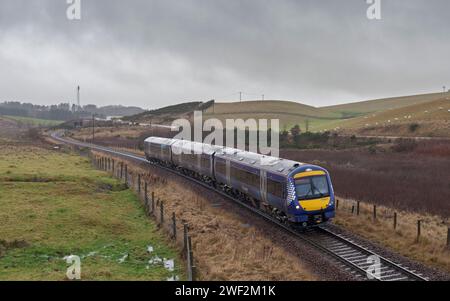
(153, 53)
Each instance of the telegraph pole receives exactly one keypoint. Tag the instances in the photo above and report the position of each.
(240, 96)
(263, 97)
(78, 98)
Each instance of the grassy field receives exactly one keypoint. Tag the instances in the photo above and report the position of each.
(34, 121)
(55, 205)
(384, 104)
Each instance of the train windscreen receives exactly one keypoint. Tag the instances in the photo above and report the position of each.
(312, 187)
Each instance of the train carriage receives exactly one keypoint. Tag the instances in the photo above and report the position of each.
(293, 191)
(157, 148)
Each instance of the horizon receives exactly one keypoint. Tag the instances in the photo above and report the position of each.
(222, 101)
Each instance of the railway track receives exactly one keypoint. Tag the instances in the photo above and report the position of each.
(357, 259)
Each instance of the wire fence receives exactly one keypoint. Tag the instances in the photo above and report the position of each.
(421, 226)
(154, 207)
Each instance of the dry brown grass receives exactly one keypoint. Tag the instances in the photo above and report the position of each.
(431, 248)
(225, 247)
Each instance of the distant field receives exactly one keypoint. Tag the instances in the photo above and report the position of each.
(377, 105)
(34, 121)
(432, 119)
(289, 113)
(54, 205)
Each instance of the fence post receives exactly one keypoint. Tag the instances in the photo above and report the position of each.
(337, 204)
(126, 174)
(353, 208)
(139, 185)
(145, 194)
(374, 211)
(191, 260)
(419, 222)
(161, 212)
(174, 226)
(153, 201)
(113, 166)
(448, 238)
(185, 236)
(395, 220)
(357, 208)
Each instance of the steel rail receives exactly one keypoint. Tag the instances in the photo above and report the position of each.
(309, 237)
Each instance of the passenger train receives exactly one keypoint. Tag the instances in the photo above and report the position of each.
(291, 191)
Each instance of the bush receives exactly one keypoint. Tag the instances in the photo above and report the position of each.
(413, 127)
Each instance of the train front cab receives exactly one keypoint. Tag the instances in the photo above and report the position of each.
(311, 198)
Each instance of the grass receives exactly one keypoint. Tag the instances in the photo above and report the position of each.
(54, 205)
(226, 247)
(34, 121)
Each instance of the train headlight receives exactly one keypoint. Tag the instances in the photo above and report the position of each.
(297, 207)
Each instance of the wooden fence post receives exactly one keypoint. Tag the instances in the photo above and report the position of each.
(113, 166)
(448, 237)
(139, 184)
(185, 236)
(353, 208)
(419, 222)
(145, 193)
(126, 174)
(161, 212)
(374, 211)
(395, 220)
(357, 208)
(153, 201)
(174, 226)
(337, 204)
(191, 260)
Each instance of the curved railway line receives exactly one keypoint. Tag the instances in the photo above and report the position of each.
(356, 258)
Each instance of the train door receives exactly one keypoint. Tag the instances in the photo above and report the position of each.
(228, 173)
(263, 186)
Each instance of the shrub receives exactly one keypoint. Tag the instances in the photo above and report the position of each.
(413, 127)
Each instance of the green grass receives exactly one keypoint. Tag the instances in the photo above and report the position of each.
(34, 121)
(54, 205)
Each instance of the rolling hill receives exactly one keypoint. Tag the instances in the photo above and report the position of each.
(430, 109)
(369, 106)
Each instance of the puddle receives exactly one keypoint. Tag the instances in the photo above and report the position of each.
(124, 257)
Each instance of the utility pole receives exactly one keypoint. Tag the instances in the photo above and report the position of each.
(240, 96)
(444, 88)
(263, 97)
(78, 98)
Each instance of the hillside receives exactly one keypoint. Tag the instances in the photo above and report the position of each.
(351, 117)
(369, 106)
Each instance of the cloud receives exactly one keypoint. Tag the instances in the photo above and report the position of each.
(154, 53)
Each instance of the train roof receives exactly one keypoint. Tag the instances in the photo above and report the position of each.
(193, 147)
(268, 163)
(160, 140)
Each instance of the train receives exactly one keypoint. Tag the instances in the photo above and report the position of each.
(297, 193)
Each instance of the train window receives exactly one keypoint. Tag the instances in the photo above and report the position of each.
(275, 188)
(245, 176)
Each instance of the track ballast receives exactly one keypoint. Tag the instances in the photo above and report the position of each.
(359, 260)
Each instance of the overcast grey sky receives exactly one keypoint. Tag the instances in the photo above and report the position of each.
(153, 53)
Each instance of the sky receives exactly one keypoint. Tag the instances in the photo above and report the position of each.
(153, 53)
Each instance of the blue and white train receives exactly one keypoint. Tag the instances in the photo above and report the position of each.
(291, 191)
